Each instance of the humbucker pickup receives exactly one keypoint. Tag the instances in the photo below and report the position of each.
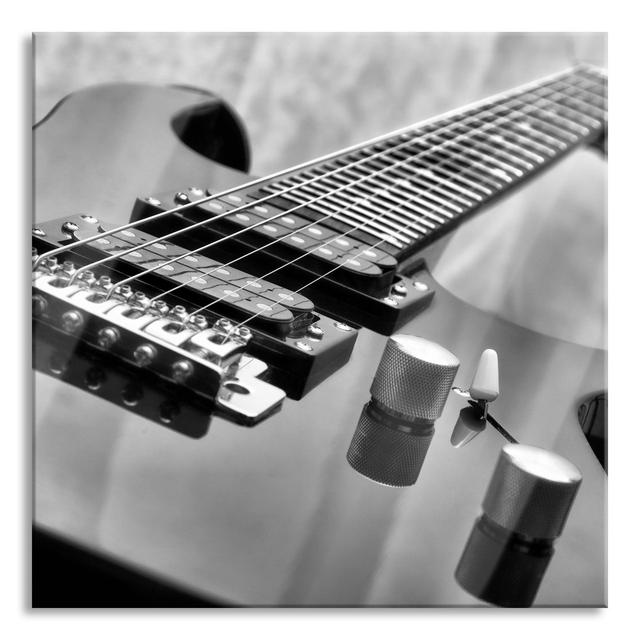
(200, 312)
(347, 277)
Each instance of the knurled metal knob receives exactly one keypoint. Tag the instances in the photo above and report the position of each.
(408, 394)
(414, 377)
(531, 491)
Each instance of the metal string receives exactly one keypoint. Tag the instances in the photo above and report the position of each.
(419, 195)
(313, 200)
(519, 90)
(324, 275)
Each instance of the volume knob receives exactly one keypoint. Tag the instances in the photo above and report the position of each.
(408, 394)
(414, 377)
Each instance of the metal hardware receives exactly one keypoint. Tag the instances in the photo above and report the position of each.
(107, 337)
(399, 289)
(71, 321)
(144, 354)
(341, 326)
(69, 227)
(153, 201)
(314, 332)
(88, 218)
(181, 371)
(420, 286)
(305, 346)
(38, 305)
(391, 301)
(37, 231)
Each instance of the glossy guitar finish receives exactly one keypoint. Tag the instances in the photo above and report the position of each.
(274, 515)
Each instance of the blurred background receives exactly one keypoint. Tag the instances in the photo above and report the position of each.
(305, 94)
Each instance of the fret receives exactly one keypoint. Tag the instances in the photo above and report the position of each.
(451, 160)
(581, 130)
(589, 89)
(365, 200)
(571, 138)
(341, 212)
(392, 169)
(599, 111)
(588, 120)
(401, 188)
(354, 211)
(373, 204)
(471, 136)
(503, 168)
(426, 173)
(450, 192)
(440, 165)
(473, 168)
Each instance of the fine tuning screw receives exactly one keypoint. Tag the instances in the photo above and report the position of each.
(144, 354)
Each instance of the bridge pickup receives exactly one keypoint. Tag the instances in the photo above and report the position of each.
(271, 252)
(299, 346)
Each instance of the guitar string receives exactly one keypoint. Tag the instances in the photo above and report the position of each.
(306, 203)
(251, 279)
(250, 204)
(321, 277)
(538, 84)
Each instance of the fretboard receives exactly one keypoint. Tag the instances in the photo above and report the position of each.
(405, 189)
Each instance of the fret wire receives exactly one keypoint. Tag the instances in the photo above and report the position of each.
(589, 90)
(423, 171)
(450, 193)
(590, 105)
(198, 202)
(371, 204)
(420, 179)
(384, 227)
(595, 120)
(500, 164)
(476, 169)
(461, 146)
(483, 143)
(571, 137)
(259, 313)
(581, 129)
(500, 139)
(432, 207)
(452, 159)
(374, 206)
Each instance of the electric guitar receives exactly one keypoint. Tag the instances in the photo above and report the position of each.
(204, 342)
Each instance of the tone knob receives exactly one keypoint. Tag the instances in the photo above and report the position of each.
(408, 394)
(531, 491)
(414, 377)
(525, 508)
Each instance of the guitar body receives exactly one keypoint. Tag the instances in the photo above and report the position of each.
(274, 515)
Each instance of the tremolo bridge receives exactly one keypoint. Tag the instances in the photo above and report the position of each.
(194, 321)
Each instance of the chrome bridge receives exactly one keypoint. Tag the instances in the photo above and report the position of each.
(176, 346)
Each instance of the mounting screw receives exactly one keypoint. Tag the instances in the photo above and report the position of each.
(399, 289)
(107, 337)
(197, 191)
(38, 305)
(181, 370)
(305, 346)
(37, 231)
(341, 326)
(181, 198)
(69, 227)
(420, 286)
(144, 355)
(154, 201)
(94, 377)
(315, 332)
(390, 301)
(71, 321)
(90, 219)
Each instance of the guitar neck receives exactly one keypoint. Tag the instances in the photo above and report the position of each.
(404, 190)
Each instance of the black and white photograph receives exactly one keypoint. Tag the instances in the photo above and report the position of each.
(319, 320)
